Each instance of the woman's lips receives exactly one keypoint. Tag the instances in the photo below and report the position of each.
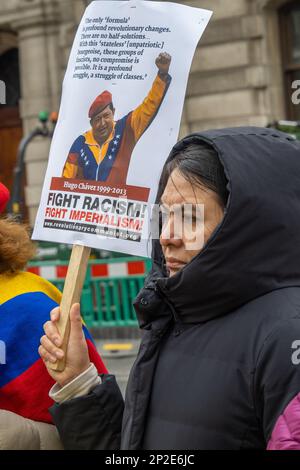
(174, 264)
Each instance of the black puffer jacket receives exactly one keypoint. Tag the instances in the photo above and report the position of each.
(217, 367)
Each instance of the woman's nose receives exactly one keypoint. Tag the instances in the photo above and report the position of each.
(169, 235)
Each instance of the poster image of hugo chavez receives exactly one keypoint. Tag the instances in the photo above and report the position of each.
(103, 153)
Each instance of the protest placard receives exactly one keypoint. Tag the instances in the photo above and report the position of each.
(120, 113)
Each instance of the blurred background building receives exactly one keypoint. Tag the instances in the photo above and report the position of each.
(242, 72)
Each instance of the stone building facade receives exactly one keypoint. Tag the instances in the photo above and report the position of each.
(241, 73)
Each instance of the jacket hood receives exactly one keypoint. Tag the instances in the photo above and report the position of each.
(256, 248)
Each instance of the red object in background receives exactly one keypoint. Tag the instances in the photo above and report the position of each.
(136, 267)
(62, 271)
(4, 197)
(100, 270)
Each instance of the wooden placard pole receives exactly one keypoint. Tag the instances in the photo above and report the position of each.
(71, 294)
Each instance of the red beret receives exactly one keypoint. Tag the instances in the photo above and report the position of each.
(100, 103)
(4, 196)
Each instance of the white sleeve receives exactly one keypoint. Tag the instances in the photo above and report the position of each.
(78, 387)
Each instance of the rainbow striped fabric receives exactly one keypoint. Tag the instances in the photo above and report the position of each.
(25, 304)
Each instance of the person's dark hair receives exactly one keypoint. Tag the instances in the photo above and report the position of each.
(200, 165)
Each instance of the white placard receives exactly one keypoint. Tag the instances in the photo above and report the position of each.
(119, 118)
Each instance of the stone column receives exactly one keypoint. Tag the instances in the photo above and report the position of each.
(275, 96)
(37, 26)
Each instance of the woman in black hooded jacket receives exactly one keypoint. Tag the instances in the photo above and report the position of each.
(219, 362)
